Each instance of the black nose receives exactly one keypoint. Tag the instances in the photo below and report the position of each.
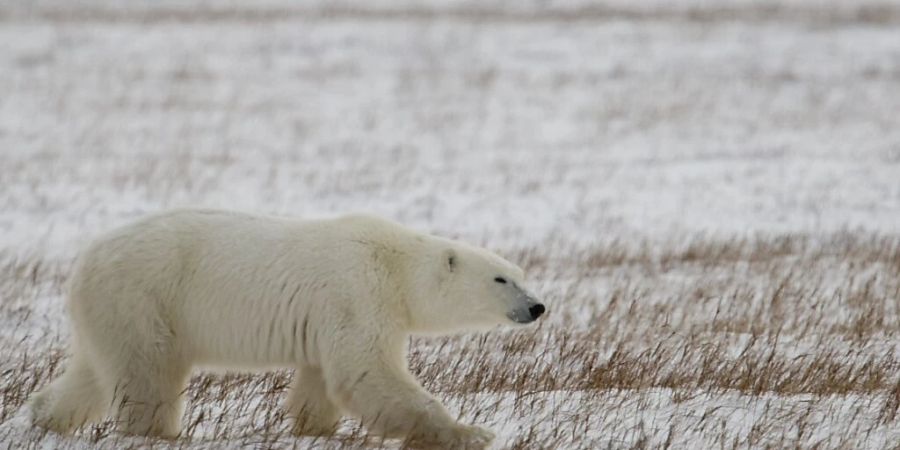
(536, 311)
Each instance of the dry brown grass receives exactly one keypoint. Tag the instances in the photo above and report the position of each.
(767, 318)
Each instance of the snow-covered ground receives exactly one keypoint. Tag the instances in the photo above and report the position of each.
(707, 193)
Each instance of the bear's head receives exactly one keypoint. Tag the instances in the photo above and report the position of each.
(469, 288)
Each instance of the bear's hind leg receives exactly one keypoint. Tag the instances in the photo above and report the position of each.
(71, 400)
(149, 398)
(309, 406)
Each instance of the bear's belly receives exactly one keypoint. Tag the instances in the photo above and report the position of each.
(253, 333)
(245, 347)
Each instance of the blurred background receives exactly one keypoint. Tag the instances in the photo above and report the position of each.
(501, 122)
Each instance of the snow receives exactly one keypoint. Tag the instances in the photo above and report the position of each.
(515, 125)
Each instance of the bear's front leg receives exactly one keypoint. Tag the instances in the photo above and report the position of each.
(376, 386)
(308, 404)
(459, 436)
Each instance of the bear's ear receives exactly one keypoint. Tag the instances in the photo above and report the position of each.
(450, 260)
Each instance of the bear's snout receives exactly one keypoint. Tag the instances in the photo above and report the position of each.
(527, 313)
(536, 311)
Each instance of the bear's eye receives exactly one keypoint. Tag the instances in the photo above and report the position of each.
(500, 280)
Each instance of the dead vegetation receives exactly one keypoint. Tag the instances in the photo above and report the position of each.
(790, 322)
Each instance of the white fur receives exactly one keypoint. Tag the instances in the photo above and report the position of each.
(335, 299)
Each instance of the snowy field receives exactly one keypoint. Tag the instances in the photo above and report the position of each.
(707, 195)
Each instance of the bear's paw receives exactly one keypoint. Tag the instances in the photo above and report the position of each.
(459, 437)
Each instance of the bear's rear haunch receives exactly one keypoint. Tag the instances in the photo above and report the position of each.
(334, 299)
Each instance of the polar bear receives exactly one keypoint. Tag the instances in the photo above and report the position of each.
(335, 299)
